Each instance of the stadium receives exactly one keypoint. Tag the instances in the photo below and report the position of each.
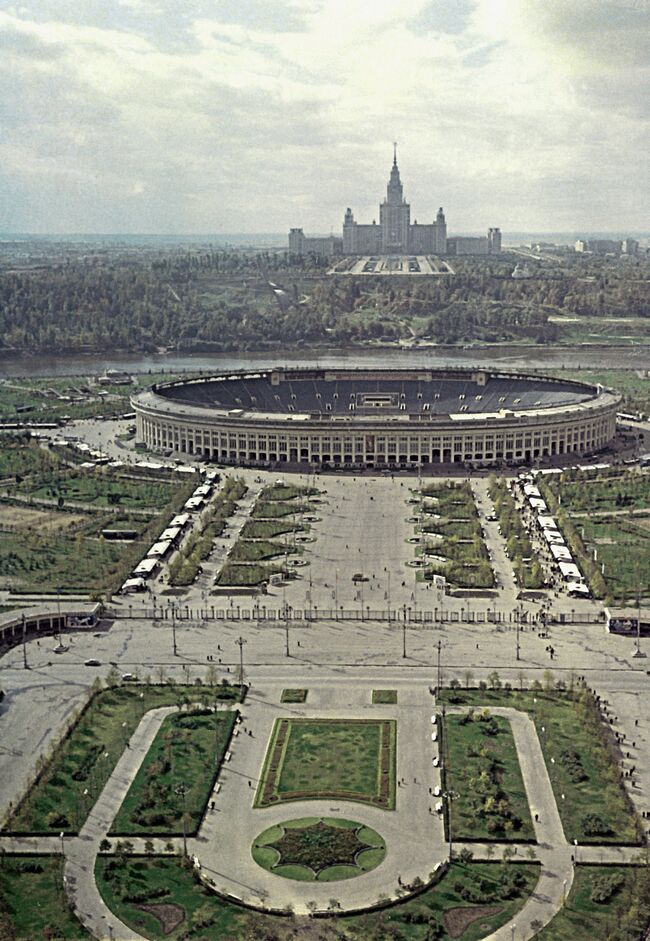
(376, 418)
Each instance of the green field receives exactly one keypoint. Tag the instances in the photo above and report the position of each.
(36, 561)
(450, 519)
(21, 455)
(188, 748)
(490, 893)
(326, 849)
(620, 490)
(384, 697)
(269, 529)
(86, 758)
(353, 759)
(584, 768)
(293, 695)
(99, 489)
(604, 902)
(623, 545)
(32, 901)
(246, 575)
(482, 768)
(258, 551)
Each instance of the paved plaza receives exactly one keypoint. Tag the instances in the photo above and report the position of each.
(340, 655)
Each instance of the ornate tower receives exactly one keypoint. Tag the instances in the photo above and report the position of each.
(394, 214)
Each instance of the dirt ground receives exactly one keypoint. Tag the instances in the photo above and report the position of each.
(456, 920)
(13, 518)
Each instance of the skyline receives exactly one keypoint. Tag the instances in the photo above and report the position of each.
(237, 119)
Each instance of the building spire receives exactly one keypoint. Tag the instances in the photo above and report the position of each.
(394, 153)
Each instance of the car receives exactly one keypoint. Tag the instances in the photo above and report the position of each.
(92, 663)
(128, 677)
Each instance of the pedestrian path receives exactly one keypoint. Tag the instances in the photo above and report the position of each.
(413, 831)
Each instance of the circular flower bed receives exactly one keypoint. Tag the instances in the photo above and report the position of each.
(318, 848)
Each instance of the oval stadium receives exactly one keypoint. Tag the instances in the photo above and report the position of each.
(377, 418)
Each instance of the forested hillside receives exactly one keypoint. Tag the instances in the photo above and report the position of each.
(236, 300)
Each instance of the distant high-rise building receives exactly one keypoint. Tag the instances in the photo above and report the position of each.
(395, 234)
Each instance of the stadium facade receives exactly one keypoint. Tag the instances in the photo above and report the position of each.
(395, 234)
(376, 418)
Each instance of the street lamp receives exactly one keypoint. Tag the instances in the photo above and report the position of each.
(439, 674)
(173, 610)
(181, 789)
(404, 638)
(518, 629)
(25, 664)
(240, 642)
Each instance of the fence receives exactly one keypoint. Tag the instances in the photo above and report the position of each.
(263, 614)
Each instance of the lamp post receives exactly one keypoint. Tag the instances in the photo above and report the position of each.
(404, 638)
(181, 790)
(439, 673)
(240, 642)
(174, 647)
(25, 664)
(518, 629)
(449, 796)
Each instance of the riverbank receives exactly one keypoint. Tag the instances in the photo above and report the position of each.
(504, 356)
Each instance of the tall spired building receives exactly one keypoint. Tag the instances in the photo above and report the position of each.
(394, 214)
(395, 234)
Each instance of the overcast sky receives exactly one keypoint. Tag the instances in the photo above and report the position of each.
(182, 116)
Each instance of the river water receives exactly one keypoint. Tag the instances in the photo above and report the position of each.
(499, 356)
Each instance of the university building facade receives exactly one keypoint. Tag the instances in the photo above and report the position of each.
(395, 234)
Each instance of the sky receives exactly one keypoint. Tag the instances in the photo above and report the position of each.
(236, 116)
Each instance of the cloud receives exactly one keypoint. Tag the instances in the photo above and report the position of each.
(255, 117)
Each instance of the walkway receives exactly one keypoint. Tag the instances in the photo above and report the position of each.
(413, 832)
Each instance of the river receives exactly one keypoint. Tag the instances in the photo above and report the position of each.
(499, 356)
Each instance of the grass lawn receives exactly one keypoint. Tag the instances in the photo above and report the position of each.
(36, 561)
(326, 849)
(246, 575)
(210, 917)
(455, 520)
(265, 509)
(352, 759)
(189, 747)
(287, 492)
(482, 767)
(623, 544)
(20, 455)
(293, 695)
(583, 919)
(269, 529)
(616, 491)
(100, 489)
(583, 769)
(87, 757)
(384, 697)
(32, 900)
(257, 551)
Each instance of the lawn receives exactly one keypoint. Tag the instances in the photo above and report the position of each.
(127, 884)
(351, 759)
(596, 808)
(482, 767)
(86, 758)
(293, 695)
(36, 561)
(584, 918)
(22, 455)
(99, 489)
(618, 490)
(451, 518)
(269, 529)
(265, 509)
(188, 748)
(326, 849)
(246, 575)
(257, 551)
(384, 697)
(623, 545)
(32, 900)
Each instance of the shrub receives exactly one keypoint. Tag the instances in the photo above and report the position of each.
(604, 887)
(593, 825)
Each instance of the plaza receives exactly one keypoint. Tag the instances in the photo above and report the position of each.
(340, 638)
